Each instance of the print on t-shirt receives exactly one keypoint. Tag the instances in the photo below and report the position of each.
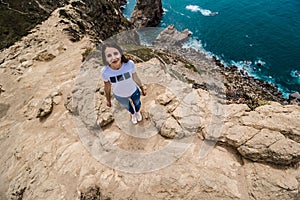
(127, 75)
(120, 78)
(113, 79)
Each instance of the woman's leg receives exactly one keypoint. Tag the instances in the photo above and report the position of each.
(126, 103)
(136, 100)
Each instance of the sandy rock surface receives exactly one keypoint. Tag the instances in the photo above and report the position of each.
(189, 146)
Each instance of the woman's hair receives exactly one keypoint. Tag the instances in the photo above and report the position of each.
(113, 45)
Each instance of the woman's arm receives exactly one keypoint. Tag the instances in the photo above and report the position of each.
(138, 81)
(107, 90)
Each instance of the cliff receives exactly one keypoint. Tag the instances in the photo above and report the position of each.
(147, 13)
(93, 17)
(60, 141)
(17, 17)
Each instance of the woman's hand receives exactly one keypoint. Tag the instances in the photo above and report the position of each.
(107, 90)
(108, 103)
(139, 83)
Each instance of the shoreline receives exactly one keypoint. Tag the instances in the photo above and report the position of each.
(245, 66)
(240, 87)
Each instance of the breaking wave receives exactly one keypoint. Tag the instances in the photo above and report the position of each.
(204, 12)
(250, 68)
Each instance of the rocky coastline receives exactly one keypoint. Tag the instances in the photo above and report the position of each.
(245, 138)
(240, 88)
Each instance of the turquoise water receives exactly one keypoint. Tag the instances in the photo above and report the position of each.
(243, 33)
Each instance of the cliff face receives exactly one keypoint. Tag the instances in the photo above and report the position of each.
(99, 19)
(147, 13)
(120, 3)
(93, 17)
(17, 17)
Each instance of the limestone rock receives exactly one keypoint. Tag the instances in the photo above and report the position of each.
(44, 56)
(268, 134)
(294, 95)
(171, 37)
(244, 89)
(276, 117)
(236, 135)
(104, 119)
(56, 99)
(48, 103)
(157, 115)
(46, 107)
(165, 98)
(171, 129)
(273, 183)
(294, 98)
(147, 13)
(271, 146)
(30, 108)
(187, 114)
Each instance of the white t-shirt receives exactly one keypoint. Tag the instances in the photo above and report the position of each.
(122, 82)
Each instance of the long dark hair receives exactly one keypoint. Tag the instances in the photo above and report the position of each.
(113, 45)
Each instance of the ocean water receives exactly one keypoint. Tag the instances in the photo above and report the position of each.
(261, 37)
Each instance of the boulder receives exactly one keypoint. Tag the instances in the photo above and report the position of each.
(165, 98)
(46, 107)
(294, 98)
(269, 134)
(104, 119)
(171, 129)
(171, 37)
(294, 95)
(147, 13)
(271, 146)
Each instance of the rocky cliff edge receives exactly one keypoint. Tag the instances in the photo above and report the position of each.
(59, 140)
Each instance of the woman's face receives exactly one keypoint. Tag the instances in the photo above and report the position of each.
(113, 57)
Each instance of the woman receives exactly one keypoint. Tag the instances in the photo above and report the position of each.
(120, 74)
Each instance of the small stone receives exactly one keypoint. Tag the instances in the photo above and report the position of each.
(294, 95)
(165, 98)
(46, 108)
(56, 100)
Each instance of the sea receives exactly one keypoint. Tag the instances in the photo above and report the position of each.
(262, 37)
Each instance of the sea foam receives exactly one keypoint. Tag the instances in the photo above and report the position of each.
(204, 12)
